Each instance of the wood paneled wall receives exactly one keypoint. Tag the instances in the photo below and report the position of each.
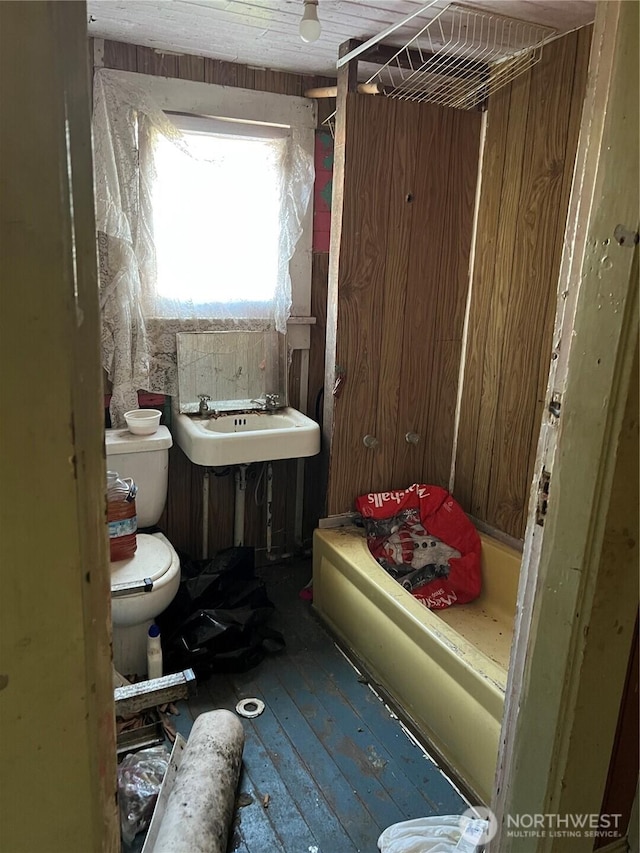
(532, 134)
(397, 290)
(146, 60)
(182, 519)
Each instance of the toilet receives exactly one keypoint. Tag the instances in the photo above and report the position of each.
(144, 586)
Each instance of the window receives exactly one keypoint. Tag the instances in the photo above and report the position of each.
(218, 216)
(196, 239)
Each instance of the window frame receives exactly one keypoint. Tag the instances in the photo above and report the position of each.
(189, 97)
(220, 308)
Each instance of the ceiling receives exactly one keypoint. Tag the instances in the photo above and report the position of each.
(264, 33)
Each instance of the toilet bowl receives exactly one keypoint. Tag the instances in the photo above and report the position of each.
(133, 612)
(143, 586)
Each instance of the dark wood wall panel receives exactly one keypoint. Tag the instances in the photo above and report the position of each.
(415, 335)
(150, 61)
(191, 68)
(147, 60)
(182, 519)
(408, 185)
(120, 55)
(315, 482)
(532, 128)
(451, 279)
(539, 227)
(500, 270)
(221, 502)
(369, 149)
(622, 779)
(489, 234)
(404, 197)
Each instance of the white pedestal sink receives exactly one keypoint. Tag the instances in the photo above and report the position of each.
(239, 439)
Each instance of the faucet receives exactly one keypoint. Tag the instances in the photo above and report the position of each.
(270, 403)
(203, 408)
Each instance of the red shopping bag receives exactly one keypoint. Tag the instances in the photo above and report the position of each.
(424, 539)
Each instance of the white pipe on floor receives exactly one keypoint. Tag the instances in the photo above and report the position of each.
(200, 806)
(205, 514)
(238, 521)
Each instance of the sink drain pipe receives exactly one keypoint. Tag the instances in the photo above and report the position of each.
(205, 514)
(269, 507)
(238, 520)
(199, 809)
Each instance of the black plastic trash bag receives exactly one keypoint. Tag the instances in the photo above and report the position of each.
(218, 620)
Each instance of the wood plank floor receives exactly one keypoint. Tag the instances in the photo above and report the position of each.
(336, 764)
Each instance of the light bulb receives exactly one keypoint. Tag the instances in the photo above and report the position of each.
(310, 25)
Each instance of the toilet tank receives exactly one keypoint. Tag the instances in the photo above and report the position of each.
(144, 458)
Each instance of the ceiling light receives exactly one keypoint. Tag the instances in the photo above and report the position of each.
(310, 25)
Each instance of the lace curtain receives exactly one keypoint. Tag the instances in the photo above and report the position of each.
(138, 336)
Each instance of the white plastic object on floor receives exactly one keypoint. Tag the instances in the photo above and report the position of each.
(250, 708)
(437, 834)
(154, 653)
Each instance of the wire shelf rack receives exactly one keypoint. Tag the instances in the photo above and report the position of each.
(330, 123)
(461, 56)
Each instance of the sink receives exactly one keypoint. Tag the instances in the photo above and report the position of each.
(238, 439)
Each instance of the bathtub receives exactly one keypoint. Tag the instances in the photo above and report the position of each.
(446, 670)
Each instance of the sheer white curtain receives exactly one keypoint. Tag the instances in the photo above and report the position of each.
(141, 312)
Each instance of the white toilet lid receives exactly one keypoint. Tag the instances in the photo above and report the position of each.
(152, 559)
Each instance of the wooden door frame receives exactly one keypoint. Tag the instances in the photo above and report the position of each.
(58, 774)
(555, 743)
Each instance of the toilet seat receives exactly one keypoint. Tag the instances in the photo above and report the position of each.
(152, 560)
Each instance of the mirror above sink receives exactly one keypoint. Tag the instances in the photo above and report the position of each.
(239, 438)
(232, 370)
